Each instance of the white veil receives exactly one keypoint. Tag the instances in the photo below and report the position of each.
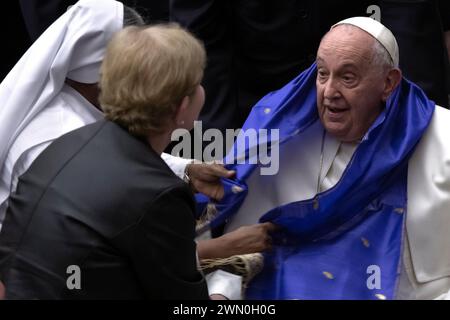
(72, 47)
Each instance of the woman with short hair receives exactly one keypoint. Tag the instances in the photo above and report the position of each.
(99, 214)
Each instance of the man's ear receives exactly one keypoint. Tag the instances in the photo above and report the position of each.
(392, 80)
(181, 111)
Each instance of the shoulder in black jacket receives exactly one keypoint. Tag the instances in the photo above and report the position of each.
(101, 200)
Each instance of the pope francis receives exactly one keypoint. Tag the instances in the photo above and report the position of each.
(362, 196)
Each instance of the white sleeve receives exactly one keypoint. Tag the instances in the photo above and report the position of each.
(224, 283)
(444, 296)
(177, 164)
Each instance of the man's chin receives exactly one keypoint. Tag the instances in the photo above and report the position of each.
(336, 130)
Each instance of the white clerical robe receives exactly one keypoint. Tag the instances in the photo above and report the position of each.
(425, 270)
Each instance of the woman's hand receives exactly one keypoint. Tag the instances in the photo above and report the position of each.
(246, 239)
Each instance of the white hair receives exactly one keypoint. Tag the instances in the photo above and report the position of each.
(381, 56)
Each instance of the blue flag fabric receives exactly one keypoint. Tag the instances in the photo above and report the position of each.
(346, 242)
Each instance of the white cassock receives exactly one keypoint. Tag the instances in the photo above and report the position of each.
(425, 270)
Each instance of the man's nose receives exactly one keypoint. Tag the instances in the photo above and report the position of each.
(331, 90)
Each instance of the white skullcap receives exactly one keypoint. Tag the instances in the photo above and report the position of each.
(382, 34)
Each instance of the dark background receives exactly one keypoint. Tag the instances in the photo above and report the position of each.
(15, 36)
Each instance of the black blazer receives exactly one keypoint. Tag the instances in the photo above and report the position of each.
(103, 200)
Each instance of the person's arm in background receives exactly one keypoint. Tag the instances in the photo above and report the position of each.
(153, 11)
(2, 291)
(39, 15)
(418, 28)
(444, 8)
(447, 43)
(212, 22)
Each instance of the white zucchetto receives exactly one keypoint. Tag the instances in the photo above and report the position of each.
(377, 30)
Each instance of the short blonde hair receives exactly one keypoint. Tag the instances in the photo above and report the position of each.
(146, 73)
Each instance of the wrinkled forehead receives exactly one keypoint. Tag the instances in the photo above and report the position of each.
(346, 43)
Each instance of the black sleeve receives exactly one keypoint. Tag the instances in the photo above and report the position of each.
(417, 27)
(39, 15)
(444, 10)
(212, 22)
(162, 249)
(153, 11)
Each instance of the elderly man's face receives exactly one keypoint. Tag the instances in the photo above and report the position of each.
(349, 87)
